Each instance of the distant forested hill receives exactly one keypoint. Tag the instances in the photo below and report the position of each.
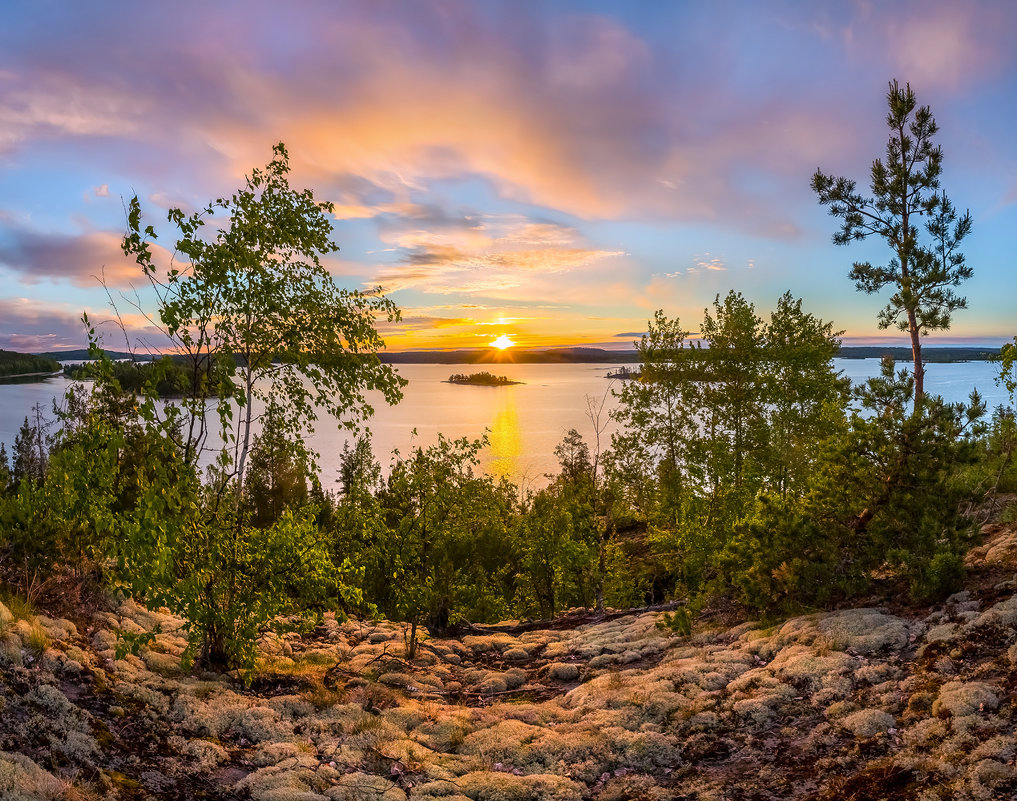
(15, 364)
(601, 356)
(81, 354)
(931, 354)
(582, 355)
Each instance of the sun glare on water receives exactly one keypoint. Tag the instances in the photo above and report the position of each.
(502, 342)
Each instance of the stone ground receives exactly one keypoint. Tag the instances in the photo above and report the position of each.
(866, 703)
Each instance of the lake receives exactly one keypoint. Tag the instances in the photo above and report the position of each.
(525, 421)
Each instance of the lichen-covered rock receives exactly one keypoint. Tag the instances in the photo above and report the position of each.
(1003, 614)
(961, 698)
(486, 786)
(864, 631)
(23, 780)
(867, 723)
(364, 787)
(562, 671)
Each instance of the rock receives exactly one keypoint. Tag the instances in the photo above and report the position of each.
(867, 723)
(561, 671)
(960, 698)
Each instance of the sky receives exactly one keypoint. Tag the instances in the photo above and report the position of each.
(551, 171)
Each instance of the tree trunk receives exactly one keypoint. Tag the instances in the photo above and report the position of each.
(916, 355)
(411, 651)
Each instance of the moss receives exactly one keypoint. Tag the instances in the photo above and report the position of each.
(483, 786)
(561, 671)
(22, 780)
(10, 649)
(397, 679)
(867, 723)
(204, 754)
(163, 664)
(364, 787)
(60, 630)
(959, 698)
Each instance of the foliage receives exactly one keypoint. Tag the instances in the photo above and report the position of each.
(255, 315)
(905, 189)
(256, 318)
(15, 364)
(427, 553)
(709, 428)
(1008, 367)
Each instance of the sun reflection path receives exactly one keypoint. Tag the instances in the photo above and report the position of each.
(506, 440)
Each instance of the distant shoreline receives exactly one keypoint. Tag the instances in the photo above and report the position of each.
(580, 355)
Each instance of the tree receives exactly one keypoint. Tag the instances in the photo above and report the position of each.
(276, 477)
(724, 423)
(258, 320)
(656, 411)
(905, 189)
(1008, 367)
(424, 566)
(256, 316)
(31, 454)
(805, 395)
(901, 469)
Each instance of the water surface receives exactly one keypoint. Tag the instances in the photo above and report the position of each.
(524, 421)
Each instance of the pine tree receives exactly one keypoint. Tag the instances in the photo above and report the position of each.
(905, 190)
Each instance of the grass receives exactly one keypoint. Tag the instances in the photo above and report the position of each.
(19, 607)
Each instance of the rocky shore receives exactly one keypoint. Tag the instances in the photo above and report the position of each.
(862, 703)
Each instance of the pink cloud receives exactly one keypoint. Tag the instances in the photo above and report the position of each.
(85, 260)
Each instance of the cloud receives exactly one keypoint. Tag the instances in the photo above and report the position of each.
(421, 322)
(947, 46)
(574, 119)
(484, 256)
(84, 259)
(708, 262)
(31, 327)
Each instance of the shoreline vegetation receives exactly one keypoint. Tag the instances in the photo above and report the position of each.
(14, 366)
(167, 377)
(482, 379)
(932, 354)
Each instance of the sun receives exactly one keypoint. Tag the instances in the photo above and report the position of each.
(502, 342)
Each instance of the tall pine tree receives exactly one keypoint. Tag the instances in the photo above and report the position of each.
(905, 192)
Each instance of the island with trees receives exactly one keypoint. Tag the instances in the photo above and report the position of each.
(481, 379)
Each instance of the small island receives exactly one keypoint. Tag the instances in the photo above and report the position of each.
(483, 379)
